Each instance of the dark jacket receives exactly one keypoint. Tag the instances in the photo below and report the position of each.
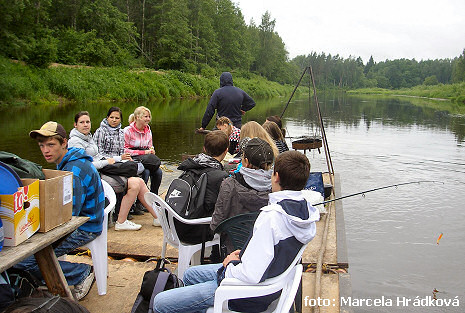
(237, 197)
(228, 101)
(199, 165)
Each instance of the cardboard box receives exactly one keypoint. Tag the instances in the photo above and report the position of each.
(56, 199)
(20, 213)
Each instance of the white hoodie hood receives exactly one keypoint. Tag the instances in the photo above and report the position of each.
(297, 213)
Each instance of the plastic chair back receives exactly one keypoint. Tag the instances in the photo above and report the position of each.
(288, 282)
(237, 230)
(166, 216)
(169, 231)
(290, 290)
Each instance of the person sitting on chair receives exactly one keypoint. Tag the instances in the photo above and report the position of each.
(280, 231)
(88, 200)
(134, 187)
(215, 148)
(246, 191)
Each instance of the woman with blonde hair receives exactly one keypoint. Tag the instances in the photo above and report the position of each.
(273, 130)
(252, 129)
(134, 187)
(138, 143)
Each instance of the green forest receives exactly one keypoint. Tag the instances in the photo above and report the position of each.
(198, 37)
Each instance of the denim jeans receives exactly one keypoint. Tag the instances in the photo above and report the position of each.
(197, 296)
(74, 272)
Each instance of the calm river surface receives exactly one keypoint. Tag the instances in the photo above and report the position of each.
(391, 234)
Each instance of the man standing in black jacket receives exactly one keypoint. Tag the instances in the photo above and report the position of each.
(228, 101)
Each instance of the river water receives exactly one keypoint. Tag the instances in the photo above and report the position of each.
(391, 234)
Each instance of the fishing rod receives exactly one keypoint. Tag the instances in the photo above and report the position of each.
(379, 188)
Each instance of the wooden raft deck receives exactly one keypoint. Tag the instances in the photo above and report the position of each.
(125, 277)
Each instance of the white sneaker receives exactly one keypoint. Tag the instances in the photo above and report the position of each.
(127, 225)
(156, 222)
(82, 289)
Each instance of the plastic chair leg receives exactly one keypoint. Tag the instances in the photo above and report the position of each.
(184, 258)
(100, 262)
(163, 248)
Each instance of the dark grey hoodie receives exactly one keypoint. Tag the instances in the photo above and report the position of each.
(228, 101)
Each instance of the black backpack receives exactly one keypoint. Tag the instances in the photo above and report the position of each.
(16, 284)
(154, 282)
(186, 194)
(125, 169)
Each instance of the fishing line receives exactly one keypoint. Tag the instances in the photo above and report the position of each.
(378, 188)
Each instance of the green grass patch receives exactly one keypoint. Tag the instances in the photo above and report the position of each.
(23, 84)
(452, 92)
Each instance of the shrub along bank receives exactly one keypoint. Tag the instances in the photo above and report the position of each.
(21, 84)
(452, 92)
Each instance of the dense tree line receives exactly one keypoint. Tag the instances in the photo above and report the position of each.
(334, 71)
(196, 36)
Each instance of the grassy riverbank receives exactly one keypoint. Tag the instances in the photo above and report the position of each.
(21, 84)
(453, 92)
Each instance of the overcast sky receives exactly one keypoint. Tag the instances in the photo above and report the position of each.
(420, 29)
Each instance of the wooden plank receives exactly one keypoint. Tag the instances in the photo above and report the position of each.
(345, 291)
(313, 249)
(329, 293)
(336, 247)
(9, 256)
(341, 244)
(51, 272)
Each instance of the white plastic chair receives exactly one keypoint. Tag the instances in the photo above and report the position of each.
(185, 251)
(98, 246)
(288, 282)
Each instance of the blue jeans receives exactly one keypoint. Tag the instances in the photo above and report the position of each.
(197, 296)
(74, 272)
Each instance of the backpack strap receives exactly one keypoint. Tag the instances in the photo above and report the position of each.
(160, 284)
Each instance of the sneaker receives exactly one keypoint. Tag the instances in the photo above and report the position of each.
(141, 207)
(127, 225)
(156, 222)
(82, 289)
(135, 210)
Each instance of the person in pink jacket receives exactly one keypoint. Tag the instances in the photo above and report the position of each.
(138, 143)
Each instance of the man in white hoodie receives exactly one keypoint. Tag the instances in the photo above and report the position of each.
(281, 229)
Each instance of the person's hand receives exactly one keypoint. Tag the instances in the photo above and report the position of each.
(111, 161)
(126, 156)
(150, 151)
(201, 129)
(242, 112)
(233, 256)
